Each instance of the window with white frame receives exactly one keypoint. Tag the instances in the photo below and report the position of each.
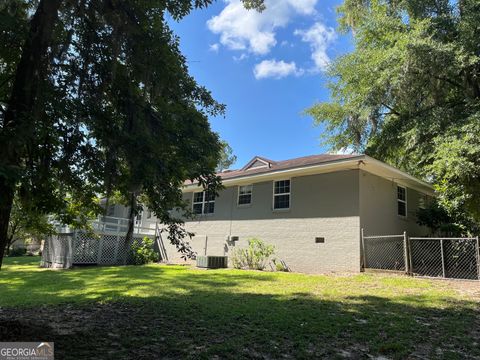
(245, 195)
(401, 201)
(203, 202)
(281, 194)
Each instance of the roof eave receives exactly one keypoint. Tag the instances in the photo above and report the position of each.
(363, 162)
(352, 162)
(392, 173)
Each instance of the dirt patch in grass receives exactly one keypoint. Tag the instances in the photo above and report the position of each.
(96, 331)
(470, 288)
(138, 330)
(19, 330)
(131, 331)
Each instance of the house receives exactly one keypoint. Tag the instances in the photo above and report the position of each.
(117, 215)
(311, 208)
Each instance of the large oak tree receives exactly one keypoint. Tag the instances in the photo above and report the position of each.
(96, 98)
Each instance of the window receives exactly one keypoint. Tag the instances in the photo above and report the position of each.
(281, 194)
(203, 202)
(149, 214)
(245, 195)
(401, 201)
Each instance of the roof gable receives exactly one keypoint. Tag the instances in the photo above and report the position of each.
(258, 163)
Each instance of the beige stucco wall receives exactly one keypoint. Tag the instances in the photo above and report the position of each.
(325, 205)
(378, 207)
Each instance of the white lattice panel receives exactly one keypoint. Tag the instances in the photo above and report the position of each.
(108, 252)
(85, 249)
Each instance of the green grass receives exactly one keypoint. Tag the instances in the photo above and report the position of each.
(180, 312)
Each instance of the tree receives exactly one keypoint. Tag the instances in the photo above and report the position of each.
(437, 219)
(227, 158)
(98, 99)
(409, 94)
(24, 223)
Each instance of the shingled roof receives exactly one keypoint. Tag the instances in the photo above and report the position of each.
(272, 166)
(263, 167)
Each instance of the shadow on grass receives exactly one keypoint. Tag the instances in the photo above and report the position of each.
(202, 314)
(30, 286)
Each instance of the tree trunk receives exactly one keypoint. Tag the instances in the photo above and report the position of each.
(131, 222)
(19, 120)
(10, 238)
(6, 202)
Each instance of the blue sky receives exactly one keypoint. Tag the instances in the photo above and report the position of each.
(267, 68)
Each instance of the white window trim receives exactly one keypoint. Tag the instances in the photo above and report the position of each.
(403, 201)
(289, 195)
(251, 196)
(204, 193)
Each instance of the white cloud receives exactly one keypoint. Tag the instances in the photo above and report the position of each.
(240, 58)
(275, 69)
(249, 30)
(214, 47)
(319, 37)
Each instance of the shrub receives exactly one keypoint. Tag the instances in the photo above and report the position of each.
(17, 251)
(254, 257)
(280, 265)
(142, 251)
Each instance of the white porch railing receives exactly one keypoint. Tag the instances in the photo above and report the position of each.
(118, 225)
(108, 224)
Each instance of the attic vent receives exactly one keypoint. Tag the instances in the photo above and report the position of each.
(319, 240)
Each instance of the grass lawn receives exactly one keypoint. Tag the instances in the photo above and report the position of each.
(159, 311)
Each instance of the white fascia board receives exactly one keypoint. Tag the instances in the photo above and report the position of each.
(386, 171)
(362, 162)
(336, 165)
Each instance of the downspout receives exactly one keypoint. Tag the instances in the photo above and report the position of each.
(231, 222)
(361, 244)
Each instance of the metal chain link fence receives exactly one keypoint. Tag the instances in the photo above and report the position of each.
(82, 248)
(456, 258)
(385, 252)
(453, 258)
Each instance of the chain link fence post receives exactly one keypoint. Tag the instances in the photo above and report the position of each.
(364, 265)
(410, 256)
(443, 257)
(477, 251)
(405, 252)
